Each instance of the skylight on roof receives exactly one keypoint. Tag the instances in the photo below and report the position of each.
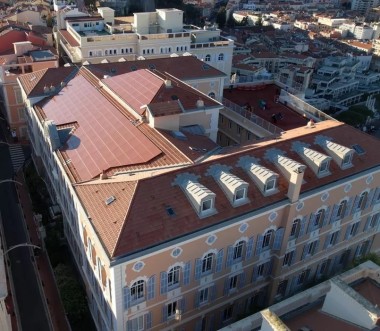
(152, 66)
(205, 66)
(358, 149)
(110, 199)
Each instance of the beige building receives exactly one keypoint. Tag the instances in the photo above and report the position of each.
(148, 35)
(171, 231)
(349, 301)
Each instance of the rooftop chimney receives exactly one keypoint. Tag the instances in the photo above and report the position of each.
(168, 83)
(200, 103)
(103, 175)
(295, 182)
(46, 89)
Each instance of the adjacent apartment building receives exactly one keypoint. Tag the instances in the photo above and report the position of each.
(172, 232)
(104, 38)
(21, 51)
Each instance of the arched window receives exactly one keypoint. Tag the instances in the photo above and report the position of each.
(211, 95)
(362, 200)
(295, 228)
(342, 209)
(174, 276)
(319, 217)
(268, 238)
(221, 57)
(208, 58)
(207, 262)
(137, 290)
(238, 250)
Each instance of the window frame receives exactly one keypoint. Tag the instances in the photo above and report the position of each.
(346, 162)
(319, 216)
(208, 207)
(171, 309)
(362, 201)
(266, 189)
(238, 198)
(341, 209)
(323, 167)
(296, 226)
(139, 288)
(175, 274)
(221, 57)
(233, 282)
(208, 58)
(203, 295)
(238, 250)
(267, 243)
(207, 263)
(288, 258)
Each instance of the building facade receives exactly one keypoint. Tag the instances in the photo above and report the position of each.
(168, 230)
(146, 35)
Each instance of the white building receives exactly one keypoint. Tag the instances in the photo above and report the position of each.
(146, 35)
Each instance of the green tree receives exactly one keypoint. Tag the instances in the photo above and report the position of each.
(221, 17)
(259, 21)
(72, 294)
(192, 15)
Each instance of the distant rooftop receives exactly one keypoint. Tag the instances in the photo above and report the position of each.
(42, 55)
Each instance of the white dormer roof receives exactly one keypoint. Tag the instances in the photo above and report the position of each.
(342, 155)
(289, 164)
(261, 173)
(337, 149)
(313, 156)
(230, 185)
(198, 191)
(231, 181)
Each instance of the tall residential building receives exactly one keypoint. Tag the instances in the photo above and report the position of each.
(364, 6)
(21, 51)
(171, 231)
(158, 34)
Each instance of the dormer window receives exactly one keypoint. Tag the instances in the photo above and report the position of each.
(347, 160)
(240, 194)
(323, 167)
(270, 184)
(342, 155)
(206, 205)
(199, 196)
(234, 188)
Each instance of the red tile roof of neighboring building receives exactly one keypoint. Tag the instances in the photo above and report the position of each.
(105, 138)
(69, 38)
(181, 67)
(146, 222)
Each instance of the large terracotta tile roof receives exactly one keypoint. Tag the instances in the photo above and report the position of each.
(144, 87)
(34, 83)
(147, 222)
(182, 67)
(105, 138)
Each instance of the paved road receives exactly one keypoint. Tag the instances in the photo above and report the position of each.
(28, 297)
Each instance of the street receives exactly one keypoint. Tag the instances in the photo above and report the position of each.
(27, 294)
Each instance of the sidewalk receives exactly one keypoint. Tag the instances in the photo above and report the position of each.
(54, 304)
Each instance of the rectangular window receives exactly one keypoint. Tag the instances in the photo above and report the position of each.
(334, 238)
(270, 185)
(281, 289)
(347, 159)
(249, 136)
(323, 167)
(206, 205)
(302, 277)
(374, 220)
(21, 114)
(137, 324)
(227, 313)
(203, 295)
(260, 270)
(354, 229)
(18, 95)
(295, 228)
(90, 53)
(312, 248)
(288, 258)
(240, 194)
(233, 282)
(238, 129)
(171, 309)
(230, 124)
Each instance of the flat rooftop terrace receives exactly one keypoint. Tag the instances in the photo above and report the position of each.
(269, 94)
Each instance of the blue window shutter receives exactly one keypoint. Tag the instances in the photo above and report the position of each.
(327, 216)
(241, 281)
(164, 313)
(127, 297)
(163, 282)
(293, 285)
(212, 292)
(198, 269)
(230, 254)
(183, 305)
(303, 226)
(186, 273)
(316, 247)
(310, 227)
(367, 223)
(259, 244)
(374, 199)
(294, 257)
(334, 214)
(327, 241)
(349, 206)
(226, 286)
(219, 261)
(356, 204)
(148, 320)
(279, 234)
(369, 198)
(338, 237)
(249, 251)
(255, 273)
(304, 252)
(196, 299)
(270, 267)
(348, 232)
(151, 287)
